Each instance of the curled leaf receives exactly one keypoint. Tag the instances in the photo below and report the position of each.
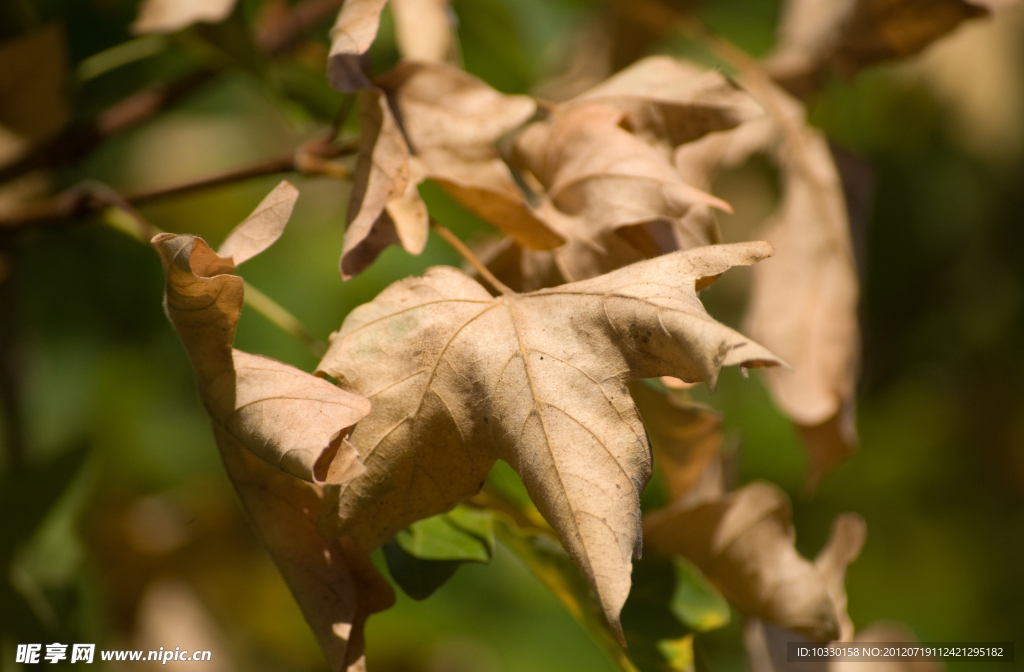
(275, 425)
(816, 36)
(685, 436)
(263, 226)
(616, 199)
(453, 122)
(459, 378)
(384, 207)
(743, 542)
(167, 16)
(667, 102)
(354, 31)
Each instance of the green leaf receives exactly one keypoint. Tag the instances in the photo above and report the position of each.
(464, 534)
(425, 555)
(669, 601)
(695, 601)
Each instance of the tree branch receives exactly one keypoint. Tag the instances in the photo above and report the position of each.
(311, 159)
(468, 255)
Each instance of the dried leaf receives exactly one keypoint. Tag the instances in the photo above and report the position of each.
(34, 100)
(167, 16)
(452, 121)
(668, 102)
(424, 30)
(459, 378)
(803, 303)
(354, 31)
(336, 585)
(684, 436)
(743, 543)
(384, 207)
(263, 226)
(292, 420)
(846, 36)
(615, 198)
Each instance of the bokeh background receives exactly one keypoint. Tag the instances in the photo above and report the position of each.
(122, 529)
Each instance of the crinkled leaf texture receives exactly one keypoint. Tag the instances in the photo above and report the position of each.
(744, 543)
(459, 378)
(275, 425)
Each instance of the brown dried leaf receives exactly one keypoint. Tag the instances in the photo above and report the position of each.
(848, 35)
(685, 436)
(354, 31)
(34, 99)
(743, 543)
(424, 30)
(384, 207)
(336, 585)
(263, 226)
(459, 378)
(167, 16)
(804, 302)
(668, 102)
(452, 121)
(294, 421)
(616, 199)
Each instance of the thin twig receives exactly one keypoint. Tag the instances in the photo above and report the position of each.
(468, 255)
(127, 219)
(80, 201)
(281, 318)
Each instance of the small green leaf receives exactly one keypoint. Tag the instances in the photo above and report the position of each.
(418, 578)
(695, 601)
(462, 534)
(425, 555)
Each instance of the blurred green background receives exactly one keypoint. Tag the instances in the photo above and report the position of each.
(123, 529)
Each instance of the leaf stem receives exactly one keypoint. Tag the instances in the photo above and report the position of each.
(127, 219)
(282, 319)
(468, 255)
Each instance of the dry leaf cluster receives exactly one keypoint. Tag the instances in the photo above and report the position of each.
(610, 234)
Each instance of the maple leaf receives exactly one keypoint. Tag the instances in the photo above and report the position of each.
(685, 436)
(275, 425)
(803, 303)
(459, 378)
(743, 542)
(452, 121)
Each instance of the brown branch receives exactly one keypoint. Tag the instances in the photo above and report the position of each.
(87, 198)
(468, 255)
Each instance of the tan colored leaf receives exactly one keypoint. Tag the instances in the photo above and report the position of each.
(459, 378)
(167, 16)
(263, 226)
(354, 31)
(848, 35)
(844, 544)
(384, 207)
(336, 585)
(452, 121)
(685, 436)
(294, 421)
(34, 83)
(616, 199)
(668, 102)
(743, 543)
(424, 30)
(803, 303)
